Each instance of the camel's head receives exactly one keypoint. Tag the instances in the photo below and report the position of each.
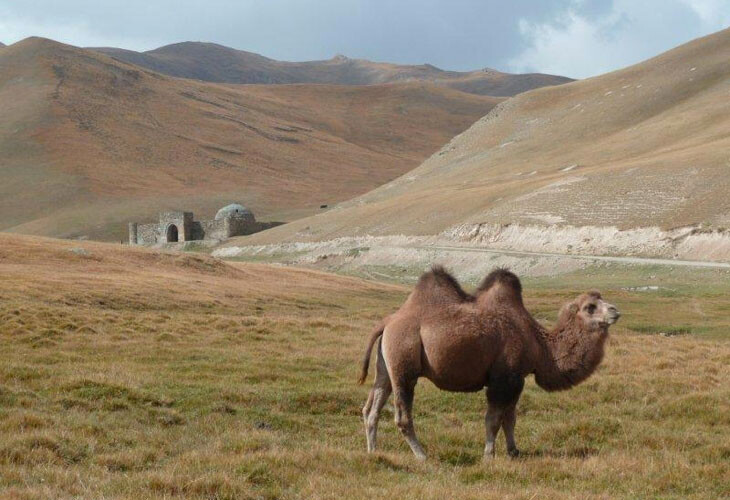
(592, 311)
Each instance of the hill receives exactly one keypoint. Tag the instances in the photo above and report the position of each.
(88, 143)
(127, 373)
(216, 63)
(642, 147)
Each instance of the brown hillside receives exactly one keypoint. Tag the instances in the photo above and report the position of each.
(644, 146)
(216, 63)
(88, 143)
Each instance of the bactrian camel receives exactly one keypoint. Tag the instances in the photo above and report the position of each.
(463, 342)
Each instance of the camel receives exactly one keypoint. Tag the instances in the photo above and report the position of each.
(465, 342)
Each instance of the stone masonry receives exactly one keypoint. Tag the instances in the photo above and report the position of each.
(174, 227)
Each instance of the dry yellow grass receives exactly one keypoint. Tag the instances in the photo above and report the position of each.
(128, 373)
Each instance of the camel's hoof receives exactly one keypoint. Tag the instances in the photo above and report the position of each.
(514, 453)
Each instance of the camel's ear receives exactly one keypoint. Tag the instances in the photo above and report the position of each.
(567, 312)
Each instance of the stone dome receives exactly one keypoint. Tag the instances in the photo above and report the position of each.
(233, 210)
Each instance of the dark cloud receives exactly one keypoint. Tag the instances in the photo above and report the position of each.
(453, 34)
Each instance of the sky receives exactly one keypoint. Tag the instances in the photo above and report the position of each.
(576, 38)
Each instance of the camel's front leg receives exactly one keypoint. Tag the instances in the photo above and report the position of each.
(493, 422)
(503, 393)
(509, 419)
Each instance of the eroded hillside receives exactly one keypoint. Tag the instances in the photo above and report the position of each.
(643, 147)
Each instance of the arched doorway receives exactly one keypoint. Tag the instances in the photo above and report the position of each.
(171, 233)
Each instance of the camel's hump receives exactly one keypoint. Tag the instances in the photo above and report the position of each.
(504, 277)
(501, 286)
(438, 286)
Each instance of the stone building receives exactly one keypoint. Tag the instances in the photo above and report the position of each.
(173, 227)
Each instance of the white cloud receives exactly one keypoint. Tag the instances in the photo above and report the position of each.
(15, 26)
(576, 45)
(710, 11)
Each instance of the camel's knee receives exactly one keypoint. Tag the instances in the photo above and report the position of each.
(368, 406)
(403, 421)
(371, 421)
(405, 427)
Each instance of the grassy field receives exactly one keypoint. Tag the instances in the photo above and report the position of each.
(126, 373)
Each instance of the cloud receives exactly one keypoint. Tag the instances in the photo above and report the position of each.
(579, 45)
(14, 28)
(576, 38)
(451, 34)
(712, 12)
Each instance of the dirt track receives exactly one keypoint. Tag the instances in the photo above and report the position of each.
(624, 260)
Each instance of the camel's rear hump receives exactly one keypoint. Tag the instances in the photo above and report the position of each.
(501, 286)
(437, 286)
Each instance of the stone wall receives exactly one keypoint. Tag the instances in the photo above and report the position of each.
(182, 220)
(238, 226)
(209, 230)
(192, 230)
(147, 234)
(133, 233)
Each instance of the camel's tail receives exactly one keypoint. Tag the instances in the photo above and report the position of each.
(366, 357)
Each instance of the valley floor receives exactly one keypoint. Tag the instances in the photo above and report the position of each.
(131, 373)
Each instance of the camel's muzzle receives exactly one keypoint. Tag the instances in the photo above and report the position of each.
(612, 315)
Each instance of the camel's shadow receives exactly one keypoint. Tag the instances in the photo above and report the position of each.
(460, 458)
(582, 452)
(465, 458)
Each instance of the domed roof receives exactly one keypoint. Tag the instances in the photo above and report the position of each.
(232, 210)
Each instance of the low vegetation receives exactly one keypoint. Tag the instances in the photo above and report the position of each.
(128, 373)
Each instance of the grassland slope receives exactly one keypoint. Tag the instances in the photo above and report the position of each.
(88, 143)
(645, 146)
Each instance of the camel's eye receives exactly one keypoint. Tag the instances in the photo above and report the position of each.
(591, 308)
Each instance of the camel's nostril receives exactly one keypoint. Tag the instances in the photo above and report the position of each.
(612, 315)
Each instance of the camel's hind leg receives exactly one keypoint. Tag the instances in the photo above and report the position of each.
(402, 349)
(376, 400)
(404, 418)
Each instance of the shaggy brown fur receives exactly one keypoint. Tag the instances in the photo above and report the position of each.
(463, 342)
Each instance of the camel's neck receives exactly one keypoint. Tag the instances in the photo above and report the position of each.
(569, 354)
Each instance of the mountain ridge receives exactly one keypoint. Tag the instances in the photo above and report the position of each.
(220, 64)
